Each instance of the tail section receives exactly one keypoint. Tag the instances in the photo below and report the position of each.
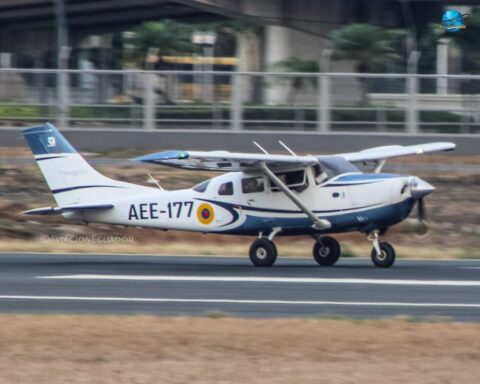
(70, 178)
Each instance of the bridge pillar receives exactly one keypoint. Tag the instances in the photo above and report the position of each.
(282, 43)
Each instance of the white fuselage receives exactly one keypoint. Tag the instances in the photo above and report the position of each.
(353, 201)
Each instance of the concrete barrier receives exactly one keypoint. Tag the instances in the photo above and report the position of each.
(302, 142)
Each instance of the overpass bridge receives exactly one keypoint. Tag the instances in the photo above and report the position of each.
(293, 27)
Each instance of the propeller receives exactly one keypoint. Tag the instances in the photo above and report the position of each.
(421, 210)
(419, 189)
(421, 228)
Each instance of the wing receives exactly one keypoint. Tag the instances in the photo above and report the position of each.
(385, 152)
(226, 161)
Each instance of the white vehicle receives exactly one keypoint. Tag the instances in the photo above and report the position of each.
(261, 194)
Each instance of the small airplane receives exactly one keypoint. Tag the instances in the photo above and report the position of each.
(263, 195)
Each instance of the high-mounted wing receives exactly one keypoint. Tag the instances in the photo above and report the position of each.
(226, 161)
(385, 152)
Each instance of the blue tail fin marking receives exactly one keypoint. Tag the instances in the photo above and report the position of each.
(46, 139)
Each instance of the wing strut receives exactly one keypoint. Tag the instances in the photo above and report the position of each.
(317, 222)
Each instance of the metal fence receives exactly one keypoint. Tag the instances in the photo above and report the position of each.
(241, 100)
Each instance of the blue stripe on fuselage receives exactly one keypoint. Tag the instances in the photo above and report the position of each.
(366, 177)
(360, 179)
(381, 217)
(68, 189)
(230, 206)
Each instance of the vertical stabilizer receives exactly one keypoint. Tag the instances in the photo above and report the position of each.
(70, 178)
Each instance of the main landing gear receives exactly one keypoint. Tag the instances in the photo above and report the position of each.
(263, 252)
(326, 250)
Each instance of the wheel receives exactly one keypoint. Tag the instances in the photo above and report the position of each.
(387, 256)
(263, 253)
(327, 252)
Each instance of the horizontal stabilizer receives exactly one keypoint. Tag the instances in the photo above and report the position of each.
(43, 211)
(66, 208)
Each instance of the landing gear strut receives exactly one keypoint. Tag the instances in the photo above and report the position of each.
(383, 253)
(326, 251)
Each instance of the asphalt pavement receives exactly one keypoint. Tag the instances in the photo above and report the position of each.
(164, 285)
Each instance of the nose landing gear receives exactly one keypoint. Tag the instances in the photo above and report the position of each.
(383, 253)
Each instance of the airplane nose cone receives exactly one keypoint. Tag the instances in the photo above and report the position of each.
(420, 188)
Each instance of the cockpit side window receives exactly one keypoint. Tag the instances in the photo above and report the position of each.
(295, 180)
(226, 189)
(202, 187)
(253, 184)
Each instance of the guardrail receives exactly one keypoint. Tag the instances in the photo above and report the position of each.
(323, 102)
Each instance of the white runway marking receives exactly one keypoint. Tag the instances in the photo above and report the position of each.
(233, 301)
(260, 279)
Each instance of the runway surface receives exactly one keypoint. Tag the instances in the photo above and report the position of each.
(201, 285)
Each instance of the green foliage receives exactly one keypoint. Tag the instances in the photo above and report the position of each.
(175, 38)
(25, 111)
(170, 37)
(294, 64)
(297, 83)
(369, 45)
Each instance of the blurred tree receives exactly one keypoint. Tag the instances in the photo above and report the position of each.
(298, 83)
(169, 37)
(371, 47)
(428, 37)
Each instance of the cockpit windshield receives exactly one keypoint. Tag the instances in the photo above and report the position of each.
(336, 165)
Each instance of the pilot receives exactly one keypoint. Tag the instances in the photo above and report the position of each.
(252, 185)
(225, 189)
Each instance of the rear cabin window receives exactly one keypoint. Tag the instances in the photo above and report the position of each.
(295, 180)
(253, 184)
(202, 187)
(226, 189)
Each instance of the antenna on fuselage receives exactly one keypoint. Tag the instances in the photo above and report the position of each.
(152, 180)
(287, 148)
(261, 148)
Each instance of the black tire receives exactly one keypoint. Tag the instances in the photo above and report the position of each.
(263, 253)
(327, 252)
(387, 258)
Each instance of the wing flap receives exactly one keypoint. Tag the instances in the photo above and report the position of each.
(225, 161)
